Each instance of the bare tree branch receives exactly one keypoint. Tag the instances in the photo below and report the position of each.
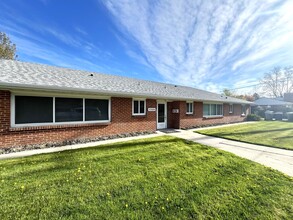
(278, 81)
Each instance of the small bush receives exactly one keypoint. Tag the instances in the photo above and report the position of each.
(253, 117)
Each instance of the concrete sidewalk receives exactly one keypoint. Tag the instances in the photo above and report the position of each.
(275, 158)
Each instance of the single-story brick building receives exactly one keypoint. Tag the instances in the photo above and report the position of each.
(42, 104)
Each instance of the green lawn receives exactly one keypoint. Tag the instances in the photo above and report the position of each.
(269, 133)
(157, 178)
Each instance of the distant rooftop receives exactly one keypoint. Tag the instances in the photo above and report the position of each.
(271, 102)
(23, 75)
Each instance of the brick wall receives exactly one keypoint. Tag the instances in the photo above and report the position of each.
(122, 122)
(184, 120)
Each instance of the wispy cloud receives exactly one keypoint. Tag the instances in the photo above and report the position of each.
(41, 43)
(81, 31)
(201, 43)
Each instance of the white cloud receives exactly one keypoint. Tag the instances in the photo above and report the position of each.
(201, 43)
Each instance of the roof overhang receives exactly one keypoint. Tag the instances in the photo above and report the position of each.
(53, 89)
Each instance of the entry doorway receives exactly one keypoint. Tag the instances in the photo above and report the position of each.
(161, 115)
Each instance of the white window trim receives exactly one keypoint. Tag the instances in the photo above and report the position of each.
(213, 116)
(12, 113)
(192, 105)
(231, 106)
(138, 99)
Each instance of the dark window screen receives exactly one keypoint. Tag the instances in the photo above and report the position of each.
(135, 110)
(96, 109)
(219, 109)
(29, 109)
(68, 109)
(141, 105)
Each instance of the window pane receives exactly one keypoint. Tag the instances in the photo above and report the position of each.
(189, 107)
(161, 113)
(96, 109)
(243, 109)
(135, 107)
(68, 109)
(231, 108)
(206, 109)
(30, 109)
(213, 109)
(219, 109)
(141, 105)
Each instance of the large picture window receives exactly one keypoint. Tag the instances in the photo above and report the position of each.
(212, 110)
(33, 110)
(29, 109)
(68, 109)
(96, 109)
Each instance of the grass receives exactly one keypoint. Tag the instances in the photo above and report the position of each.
(268, 133)
(156, 178)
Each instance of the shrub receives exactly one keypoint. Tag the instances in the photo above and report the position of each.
(253, 117)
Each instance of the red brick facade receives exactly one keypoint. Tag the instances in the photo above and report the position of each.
(122, 121)
(183, 120)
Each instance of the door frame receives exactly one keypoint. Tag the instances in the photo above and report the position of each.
(162, 125)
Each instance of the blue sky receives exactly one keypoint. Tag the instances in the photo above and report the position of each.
(206, 44)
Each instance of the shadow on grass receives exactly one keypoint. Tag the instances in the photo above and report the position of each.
(67, 160)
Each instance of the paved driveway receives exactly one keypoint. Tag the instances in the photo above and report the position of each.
(275, 158)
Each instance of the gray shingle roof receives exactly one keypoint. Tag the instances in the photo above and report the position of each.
(16, 74)
(271, 102)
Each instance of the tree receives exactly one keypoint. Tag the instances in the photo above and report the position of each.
(7, 49)
(255, 96)
(227, 92)
(278, 81)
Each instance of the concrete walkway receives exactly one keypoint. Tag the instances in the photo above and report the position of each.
(275, 158)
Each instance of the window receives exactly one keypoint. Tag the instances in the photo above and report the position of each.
(138, 107)
(68, 109)
(212, 110)
(189, 107)
(30, 110)
(96, 109)
(231, 108)
(243, 110)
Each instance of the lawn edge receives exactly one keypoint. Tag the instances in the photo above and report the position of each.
(247, 142)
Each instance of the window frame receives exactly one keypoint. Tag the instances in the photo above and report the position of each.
(54, 96)
(231, 108)
(243, 110)
(138, 100)
(188, 104)
(210, 110)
